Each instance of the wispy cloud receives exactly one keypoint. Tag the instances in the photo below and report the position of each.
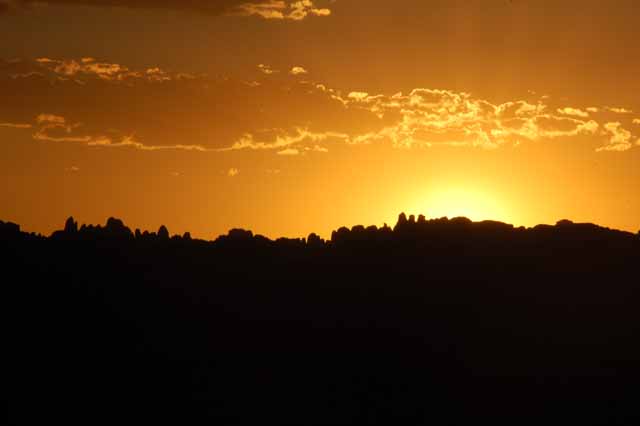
(576, 112)
(299, 136)
(16, 125)
(289, 152)
(620, 138)
(266, 69)
(619, 110)
(296, 10)
(90, 67)
(431, 117)
(359, 96)
(317, 148)
(298, 71)
(153, 109)
(49, 123)
(279, 9)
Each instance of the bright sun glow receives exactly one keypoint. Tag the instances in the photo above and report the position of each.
(454, 202)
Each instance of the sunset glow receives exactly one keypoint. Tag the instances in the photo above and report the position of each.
(291, 117)
(457, 202)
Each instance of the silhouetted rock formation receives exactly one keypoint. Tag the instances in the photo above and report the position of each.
(436, 321)
(71, 226)
(314, 240)
(9, 230)
(115, 229)
(402, 222)
(163, 233)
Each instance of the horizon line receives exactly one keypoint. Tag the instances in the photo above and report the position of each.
(410, 219)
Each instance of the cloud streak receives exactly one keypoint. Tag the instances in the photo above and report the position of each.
(48, 124)
(16, 125)
(103, 104)
(267, 9)
(281, 10)
(266, 69)
(91, 68)
(576, 112)
(282, 140)
(619, 110)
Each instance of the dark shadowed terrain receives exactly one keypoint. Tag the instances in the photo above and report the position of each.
(431, 322)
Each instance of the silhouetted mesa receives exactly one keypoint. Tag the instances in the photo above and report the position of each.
(441, 321)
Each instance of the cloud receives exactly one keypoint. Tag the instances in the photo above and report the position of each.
(593, 109)
(73, 100)
(289, 152)
(620, 138)
(99, 103)
(72, 169)
(16, 125)
(636, 121)
(279, 9)
(266, 69)
(51, 119)
(131, 142)
(573, 111)
(55, 128)
(233, 172)
(298, 71)
(317, 148)
(300, 136)
(432, 117)
(618, 110)
(359, 96)
(267, 9)
(91, 68)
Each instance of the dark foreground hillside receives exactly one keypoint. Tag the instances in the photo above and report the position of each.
(431, 322)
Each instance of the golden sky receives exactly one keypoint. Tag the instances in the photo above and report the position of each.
(287, 117)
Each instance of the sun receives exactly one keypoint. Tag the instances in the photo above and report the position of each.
(452, 202)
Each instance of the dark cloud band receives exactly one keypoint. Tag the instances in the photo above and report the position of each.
(269, 9)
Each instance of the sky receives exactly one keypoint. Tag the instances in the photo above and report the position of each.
(291, 117)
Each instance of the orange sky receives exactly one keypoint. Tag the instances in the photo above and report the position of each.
(287, 117)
